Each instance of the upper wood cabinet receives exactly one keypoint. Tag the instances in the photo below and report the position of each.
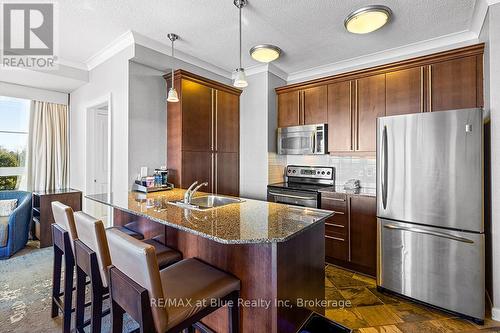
(453, 84)
(302, 107)
(442, 81)
(203, 134)
(314, 105)
(196, 124)
(227, 122)
(289, 109)
(340, 117)
(370, 104)
(405, 91)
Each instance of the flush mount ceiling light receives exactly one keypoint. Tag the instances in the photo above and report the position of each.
(172, 93)
(240, 81)
(367, 19)
(265, 52)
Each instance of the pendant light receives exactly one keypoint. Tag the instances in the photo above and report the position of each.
(240, 81)
(172, 93)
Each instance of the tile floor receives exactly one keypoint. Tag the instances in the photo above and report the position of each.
(371, 311)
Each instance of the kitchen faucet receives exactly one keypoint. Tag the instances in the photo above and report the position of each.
(190, 191)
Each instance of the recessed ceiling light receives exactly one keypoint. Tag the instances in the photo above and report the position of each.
(367, 19)
(265, 52)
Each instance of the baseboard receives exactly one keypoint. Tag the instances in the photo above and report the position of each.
(495, 314)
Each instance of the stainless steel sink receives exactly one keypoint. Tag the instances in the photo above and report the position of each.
(213, 201)
(207, 202)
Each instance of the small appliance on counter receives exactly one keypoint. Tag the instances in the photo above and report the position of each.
(155, 183)
(302, 185)
(352, 185)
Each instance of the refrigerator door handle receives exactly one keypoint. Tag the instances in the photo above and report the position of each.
(384, 167)
(428, 232)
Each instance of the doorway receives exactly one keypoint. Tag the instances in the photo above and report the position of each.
(98, 165)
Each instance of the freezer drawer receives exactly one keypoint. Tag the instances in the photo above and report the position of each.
(434, 265)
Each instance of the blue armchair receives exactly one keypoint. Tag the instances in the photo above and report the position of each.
(19, 222)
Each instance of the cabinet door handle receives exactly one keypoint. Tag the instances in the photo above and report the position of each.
(215, 121)
(430, 88)
(216, 171)
(349, 226)
(422, 89)
(334, 225)
(350, 116)
(339, 213)
(212, 172)
(357, 116)
(299, 106)
(212, 122)
(336, 238)
(333, 199)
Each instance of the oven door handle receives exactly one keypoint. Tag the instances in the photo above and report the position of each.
(292, 196)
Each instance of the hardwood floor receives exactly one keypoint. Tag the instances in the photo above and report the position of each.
(356, 303)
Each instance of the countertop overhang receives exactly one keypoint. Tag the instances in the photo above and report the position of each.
(248, 222)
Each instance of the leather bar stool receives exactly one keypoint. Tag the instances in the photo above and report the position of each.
(92, 261)
(138, 287)
(63, 236)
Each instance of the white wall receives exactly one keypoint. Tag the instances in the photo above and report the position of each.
(111, 77)
(494, 105)
(147, 119)
(258, 122)
(20, 91)
(253, 137)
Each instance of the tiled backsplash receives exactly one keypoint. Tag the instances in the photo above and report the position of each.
(346, 167)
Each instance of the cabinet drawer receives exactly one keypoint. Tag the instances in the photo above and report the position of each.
(337, 220)
(336, 247)
(336, 203)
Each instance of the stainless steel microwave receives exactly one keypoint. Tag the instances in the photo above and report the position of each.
(303, 140)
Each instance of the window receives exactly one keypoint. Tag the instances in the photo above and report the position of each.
(14, 127)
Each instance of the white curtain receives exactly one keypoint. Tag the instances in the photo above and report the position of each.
(47, 167)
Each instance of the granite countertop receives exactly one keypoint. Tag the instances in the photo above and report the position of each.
(363, 191)
(248, 222)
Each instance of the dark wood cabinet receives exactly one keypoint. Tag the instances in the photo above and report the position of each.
(340, 117)
(42, 211)
(453, 84)
(370, 104)
(196, 124)
(227, 173)
(203, 134)
(303, 107)
(227, 127)
(363, 232)
(289, 109)
(314, 105)
(405, 91)
(351, 233)
(443, 81)
(198, 166)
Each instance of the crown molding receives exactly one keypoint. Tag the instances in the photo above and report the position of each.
(479, 15)
(74, 64)
(263, 68)
(492, 2)
(441, 43)
(116, 46)
(166, 49)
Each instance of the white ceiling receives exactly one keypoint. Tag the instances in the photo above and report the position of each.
(310, 32)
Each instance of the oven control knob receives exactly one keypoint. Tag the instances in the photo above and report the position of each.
(318, 172)
(328, 173)
(322, 172)
(289, 171)
(294, 171)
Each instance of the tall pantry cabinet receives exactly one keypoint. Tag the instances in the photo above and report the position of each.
(203, 134)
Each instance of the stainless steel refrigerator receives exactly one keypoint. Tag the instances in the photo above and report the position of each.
(430, 209)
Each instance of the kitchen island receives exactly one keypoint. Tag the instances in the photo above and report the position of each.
(276, 250)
